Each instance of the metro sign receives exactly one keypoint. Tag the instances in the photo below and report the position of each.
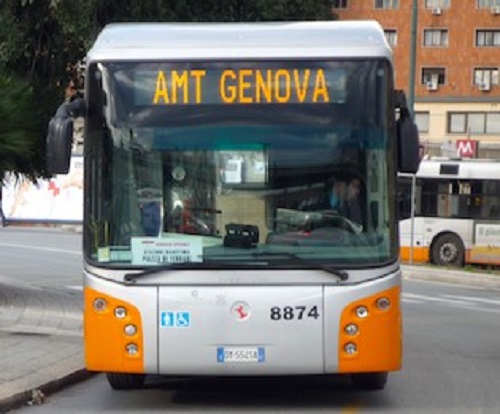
(467, 148)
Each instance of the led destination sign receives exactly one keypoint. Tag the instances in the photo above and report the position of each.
(306, 85)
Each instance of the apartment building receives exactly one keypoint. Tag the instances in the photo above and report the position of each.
(457, 82)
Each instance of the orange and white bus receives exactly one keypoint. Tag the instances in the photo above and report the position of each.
(456, 212)
(207, 147)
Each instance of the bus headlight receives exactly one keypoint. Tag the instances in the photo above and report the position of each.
(99, 304)
(362, 312)
(351, 329)
(120, 312)
(130, 330)
(383, 304)
(132, 349)
(350, 348)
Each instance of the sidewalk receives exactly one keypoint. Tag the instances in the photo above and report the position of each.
(451, 275)
(41, 335)
(41, 343)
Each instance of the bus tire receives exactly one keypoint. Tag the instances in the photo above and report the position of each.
(119, 381)
(448, 250)
(372, 381)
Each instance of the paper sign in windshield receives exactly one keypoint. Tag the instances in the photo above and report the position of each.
(154, 251)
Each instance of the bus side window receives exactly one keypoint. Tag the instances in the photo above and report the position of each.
(429, 198)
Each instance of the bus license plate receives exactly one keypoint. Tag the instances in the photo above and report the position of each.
(240, 354)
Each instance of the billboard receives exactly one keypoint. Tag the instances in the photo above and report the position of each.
(58, 199)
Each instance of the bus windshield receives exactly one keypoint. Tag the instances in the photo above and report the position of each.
(240, 163)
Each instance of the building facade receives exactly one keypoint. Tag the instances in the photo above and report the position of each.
(457, 82)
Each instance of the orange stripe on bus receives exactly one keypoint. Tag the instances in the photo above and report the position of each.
(420, 254)
(104, 337)
(379, 339)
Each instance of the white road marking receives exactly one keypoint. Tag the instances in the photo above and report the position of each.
(75, 287)
(464, 302)
(408, 300)
(44, 249)
(436, 299)
(474, 299)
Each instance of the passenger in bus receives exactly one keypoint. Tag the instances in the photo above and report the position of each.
(151, 218)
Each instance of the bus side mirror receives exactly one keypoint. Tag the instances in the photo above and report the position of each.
(60, 137)
(58, 145)
(407, 138)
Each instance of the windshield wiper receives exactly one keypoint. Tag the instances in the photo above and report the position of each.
(341, 274)
(217, 264)
(133, 277)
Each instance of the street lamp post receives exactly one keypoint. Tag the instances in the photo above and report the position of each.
(413, 57)
(411, 105)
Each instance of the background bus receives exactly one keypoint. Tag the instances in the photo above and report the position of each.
(457, 212)
(210, 242)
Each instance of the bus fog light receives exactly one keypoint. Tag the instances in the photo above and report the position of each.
(350, 348)
(100, 304)
(130, 330)
(362, 312)
(120, 312)
(351, 329)
(383, 304)
(132, 349)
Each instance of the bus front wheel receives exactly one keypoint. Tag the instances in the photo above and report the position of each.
(373, 381)
(448, 250)
(119, 381)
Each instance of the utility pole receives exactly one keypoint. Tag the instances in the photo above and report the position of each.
(413, 57)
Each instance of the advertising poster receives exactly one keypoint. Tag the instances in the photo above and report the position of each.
(58, 199)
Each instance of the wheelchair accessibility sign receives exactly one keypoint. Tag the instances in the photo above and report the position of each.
(171, 319)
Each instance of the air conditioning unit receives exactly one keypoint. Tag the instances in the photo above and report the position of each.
(436, 11)
(432, 85)
(495, 10)
(484, 86)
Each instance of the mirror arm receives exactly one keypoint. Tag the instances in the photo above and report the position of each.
(72, 109)
(401, 104)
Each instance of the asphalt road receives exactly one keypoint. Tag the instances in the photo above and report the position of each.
(24, 250)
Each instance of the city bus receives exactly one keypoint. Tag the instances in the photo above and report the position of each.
(208, 148)
(456, 219)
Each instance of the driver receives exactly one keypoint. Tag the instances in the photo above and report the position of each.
(334, 198)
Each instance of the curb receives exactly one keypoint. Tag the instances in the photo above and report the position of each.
(453, 276)
(25, 398)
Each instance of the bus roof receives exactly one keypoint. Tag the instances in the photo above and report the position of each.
(216, 41)
(460, 168)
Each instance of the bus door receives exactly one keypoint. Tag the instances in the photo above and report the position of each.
(411, 229)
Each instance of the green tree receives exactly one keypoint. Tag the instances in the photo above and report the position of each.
(19, 127)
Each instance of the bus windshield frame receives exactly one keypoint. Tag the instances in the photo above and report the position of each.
(231, 161)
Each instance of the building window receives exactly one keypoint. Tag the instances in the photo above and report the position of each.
(340, 4)
(392, 37)
(442, 4)
(486, 4)
(435, 37)
(422, 121)
(386, 4)
(488, 38)
(485, 76)
(433, 77)
(474, 123)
